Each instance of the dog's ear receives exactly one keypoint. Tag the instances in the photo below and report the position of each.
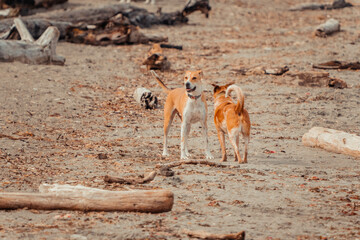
(229, 84)
(201, 74)
(216, 87)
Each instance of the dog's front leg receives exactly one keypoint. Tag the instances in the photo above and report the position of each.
(184, 138)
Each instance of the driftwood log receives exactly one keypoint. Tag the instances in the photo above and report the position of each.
(111, 179)
(215, 236)
(146, 98)
(337, 4)
(329, 27)
(317, 79)
(79, 198)
(260, 70)
(333, 141)
(41, 51)
(338, 65)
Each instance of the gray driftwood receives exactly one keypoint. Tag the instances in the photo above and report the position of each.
(80, 198)
(333, 141)
(329, 27)
(41, 51)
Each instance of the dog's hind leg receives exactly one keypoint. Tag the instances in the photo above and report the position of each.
(221, 136)
(247, 140)
(233, 137)
(168, 118)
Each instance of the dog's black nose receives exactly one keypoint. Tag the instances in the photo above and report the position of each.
(187, 85)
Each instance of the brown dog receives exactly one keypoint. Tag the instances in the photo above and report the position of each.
(231, 118)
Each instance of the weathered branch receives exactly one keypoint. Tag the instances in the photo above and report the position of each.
(338, 65)
(337, 4)
(213, 236)
(146, 179)
(191, 162)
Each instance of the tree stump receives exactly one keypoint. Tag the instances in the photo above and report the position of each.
(41, 51)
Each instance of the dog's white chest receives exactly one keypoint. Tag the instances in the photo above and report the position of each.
(194, 111)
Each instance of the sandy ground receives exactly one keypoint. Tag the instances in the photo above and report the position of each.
(64, 116)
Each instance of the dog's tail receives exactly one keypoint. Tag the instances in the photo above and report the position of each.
(162, 85)
(240, 98)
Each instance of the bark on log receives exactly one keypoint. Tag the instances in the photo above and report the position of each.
(338, 65)
(110, 179)
(333, 141)
(43, 51)
(214, 236)
(329, 27)
(76, 198)
(146, 98)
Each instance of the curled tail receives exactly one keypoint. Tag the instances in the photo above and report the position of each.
(162, 85)
(240, 98)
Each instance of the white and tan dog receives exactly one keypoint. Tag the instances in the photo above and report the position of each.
(146, 1)
(190, 104)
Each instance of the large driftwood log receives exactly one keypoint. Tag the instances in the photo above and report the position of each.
(337, 4)
(329, 27)
(79, 198)
(333, 141)
(215, 236)
(41, 51)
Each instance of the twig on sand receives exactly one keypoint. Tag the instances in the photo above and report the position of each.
(206, 235)
(146, 179)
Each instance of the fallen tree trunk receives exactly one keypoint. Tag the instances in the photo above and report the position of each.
(79, 198)
(110, 179)
(215, 236)
(42, 51)
(329, 27)
(333, 141)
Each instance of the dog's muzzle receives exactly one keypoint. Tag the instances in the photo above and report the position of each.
(188, 87)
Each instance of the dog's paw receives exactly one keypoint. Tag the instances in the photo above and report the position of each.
(209, 156)
(165, 154)
(184, 157)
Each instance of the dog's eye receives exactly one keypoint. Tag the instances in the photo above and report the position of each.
(194, 78)
(186, 78)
